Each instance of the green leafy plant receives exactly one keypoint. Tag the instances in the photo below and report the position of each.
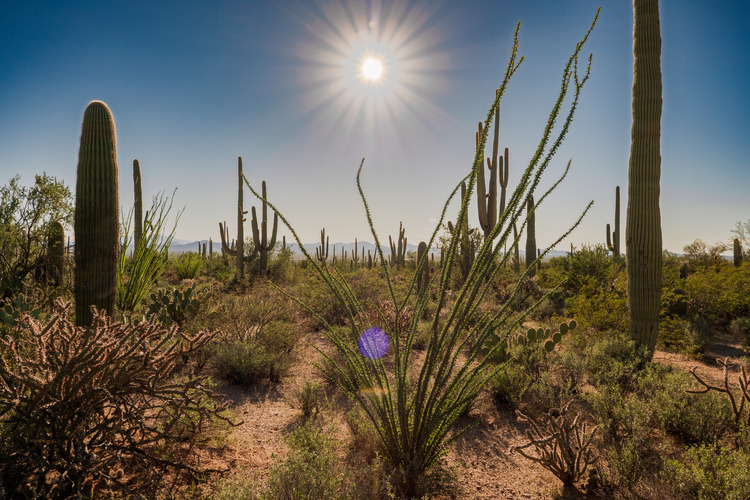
(189, 265)
(308, 398)
(412, 407)
(710, 472)
(137, 277)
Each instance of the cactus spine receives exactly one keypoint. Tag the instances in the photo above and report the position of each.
(137, 203)
(96, 220)
(261, 241)
(530, 237)
(643, 226)
(613, 241)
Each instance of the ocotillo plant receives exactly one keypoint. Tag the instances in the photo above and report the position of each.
(398, 250)
(531, 254)
(613, 241)
(414, 409)
(423, 268)
(261, 242)
(321, 253)
(137, 203)
(643, 225)
(96, 226)
(56, 253)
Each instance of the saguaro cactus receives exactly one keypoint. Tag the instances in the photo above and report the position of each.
(137, 203)
(240, 255)
(398, 250)
(643, 226)
(55, 253)
(96, 220)
(737, 247)
(530, 237)
(261, 242)
(487, 195)
(321, 253)
(613, 241)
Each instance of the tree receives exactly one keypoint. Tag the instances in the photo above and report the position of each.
(25, 217)
(643, 226)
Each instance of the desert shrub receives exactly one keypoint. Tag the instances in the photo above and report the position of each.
(590, 264)
(99, 408)
(220, 268)
(189, 265)
(314, 293)
(603, 309)
(680, 335)
(309, 398)
(241, 317)
(740, 327)
(710, 472)
(721, 294)
(627, 423)
(615, 360)
(510, 384)
(266, 355)
(544, 394)
(693, 418)
(311, 470)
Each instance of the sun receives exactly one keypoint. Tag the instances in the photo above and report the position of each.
(372, 69)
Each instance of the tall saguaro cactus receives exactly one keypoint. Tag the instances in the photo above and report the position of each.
(613, 237)
(643, 227)
(96, 222)
(240, 224)
(55, 253)
(261, 242)
(137, 203)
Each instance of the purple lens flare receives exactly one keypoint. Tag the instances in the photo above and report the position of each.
(373, 343)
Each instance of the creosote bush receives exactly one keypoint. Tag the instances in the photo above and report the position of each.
(99, 409)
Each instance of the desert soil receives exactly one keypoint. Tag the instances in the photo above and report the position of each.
(486, 468)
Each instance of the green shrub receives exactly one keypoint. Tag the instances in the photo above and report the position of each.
(308, 398)
(189, 265)
(590, 264)
(510, 384)
(311, 471)
(710, 472)
(680, 335)
(615, 361)
(693, 418)
(721, 296)
(626, 422)
(264, 356)
(603, 309)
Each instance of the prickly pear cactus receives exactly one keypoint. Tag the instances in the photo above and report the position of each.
(96, 223)
(534, 335)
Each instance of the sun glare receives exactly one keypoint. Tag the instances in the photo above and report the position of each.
(372, 68)
(371, 74)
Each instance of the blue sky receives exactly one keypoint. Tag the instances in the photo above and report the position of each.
(193, 85)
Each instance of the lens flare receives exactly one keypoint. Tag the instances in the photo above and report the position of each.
(373, 343)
